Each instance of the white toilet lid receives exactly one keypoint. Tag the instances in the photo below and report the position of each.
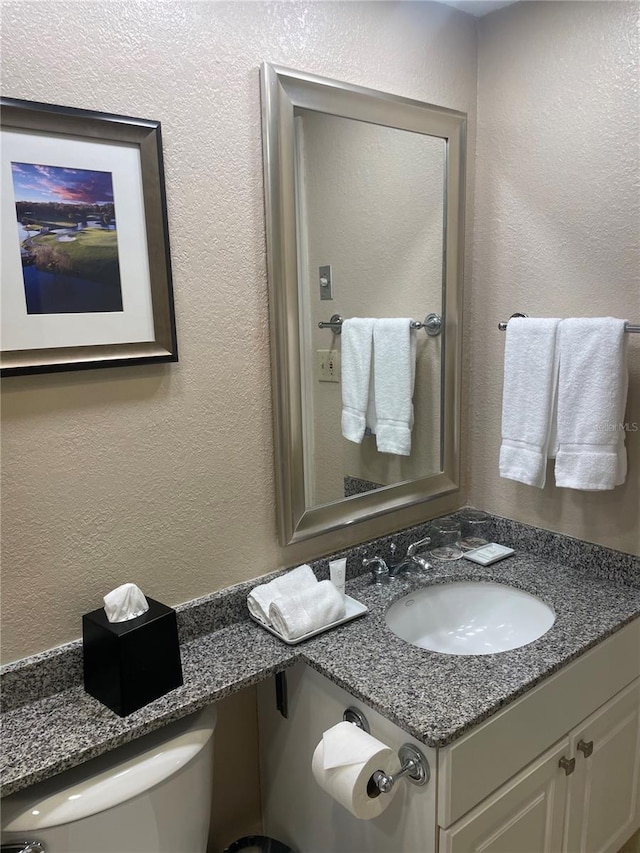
(110, 779)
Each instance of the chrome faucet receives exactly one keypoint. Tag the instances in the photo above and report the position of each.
(381, 571)
(411, 559)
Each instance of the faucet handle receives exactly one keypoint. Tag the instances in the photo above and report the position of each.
(379, 569)
(416, 546)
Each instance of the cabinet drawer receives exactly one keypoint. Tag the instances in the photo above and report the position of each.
(477, 764)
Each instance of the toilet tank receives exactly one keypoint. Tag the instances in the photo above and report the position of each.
(150, 796)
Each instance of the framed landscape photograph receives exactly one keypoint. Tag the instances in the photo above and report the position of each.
(85, 264)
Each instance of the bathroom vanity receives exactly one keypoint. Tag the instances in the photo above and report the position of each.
(539, 743)
(558, 770)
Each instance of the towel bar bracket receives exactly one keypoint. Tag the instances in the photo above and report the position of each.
(503, 326)
(335, 324)
(432, 325)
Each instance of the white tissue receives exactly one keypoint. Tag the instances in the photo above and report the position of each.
(361, 756)
(344, 744)
(124, 603)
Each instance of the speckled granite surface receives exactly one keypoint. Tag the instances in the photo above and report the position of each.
(42, 738)
(51, 724)
(438, 697)
(358, 486)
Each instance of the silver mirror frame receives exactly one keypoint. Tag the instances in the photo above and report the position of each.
(282, 91)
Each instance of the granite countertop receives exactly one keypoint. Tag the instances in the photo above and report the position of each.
(434, 697)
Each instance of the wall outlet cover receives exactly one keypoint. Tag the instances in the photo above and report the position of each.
(328, 365)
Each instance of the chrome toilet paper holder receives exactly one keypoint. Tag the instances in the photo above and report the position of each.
(413, 763)
(354, 715)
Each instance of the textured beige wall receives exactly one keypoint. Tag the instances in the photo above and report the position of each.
(556, 225)
(164, 475)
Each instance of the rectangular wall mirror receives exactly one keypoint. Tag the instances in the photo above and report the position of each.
(364, 211)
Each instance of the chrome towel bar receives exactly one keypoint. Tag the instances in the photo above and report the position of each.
(631, 328)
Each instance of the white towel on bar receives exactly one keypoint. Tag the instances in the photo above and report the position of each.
(306, 610)
(357, 340)
(592, 396)
(528, 398)
(394, 367)
(260, 598)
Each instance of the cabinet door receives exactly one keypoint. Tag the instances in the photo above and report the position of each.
(525, 815)
(603, 797)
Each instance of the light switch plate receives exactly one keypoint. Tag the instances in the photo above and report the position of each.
(325, 279)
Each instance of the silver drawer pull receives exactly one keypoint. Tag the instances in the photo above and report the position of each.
(567, 764)
(585, 748)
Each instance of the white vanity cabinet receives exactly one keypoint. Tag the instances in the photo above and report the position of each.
(581, 796)
(556, 771)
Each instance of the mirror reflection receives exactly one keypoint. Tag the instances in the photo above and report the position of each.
(370, 210)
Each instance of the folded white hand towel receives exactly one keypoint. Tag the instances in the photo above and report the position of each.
(357, 337)
(344, 744)
(298, 613)
(592, 395)
(260, 597)
(394, 366)
(528, 398)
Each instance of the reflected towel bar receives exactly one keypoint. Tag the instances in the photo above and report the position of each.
(631, 328)
(432, 324)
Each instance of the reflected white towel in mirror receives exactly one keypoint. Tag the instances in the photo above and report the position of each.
(394, 365)
(357, 338)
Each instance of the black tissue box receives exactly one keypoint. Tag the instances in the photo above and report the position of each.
(129, 664)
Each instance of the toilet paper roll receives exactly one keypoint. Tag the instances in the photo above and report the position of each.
(349, 784)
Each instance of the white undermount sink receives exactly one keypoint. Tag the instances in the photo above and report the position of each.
(469, 618)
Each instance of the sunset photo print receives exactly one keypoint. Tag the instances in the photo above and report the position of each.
(68, 240)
